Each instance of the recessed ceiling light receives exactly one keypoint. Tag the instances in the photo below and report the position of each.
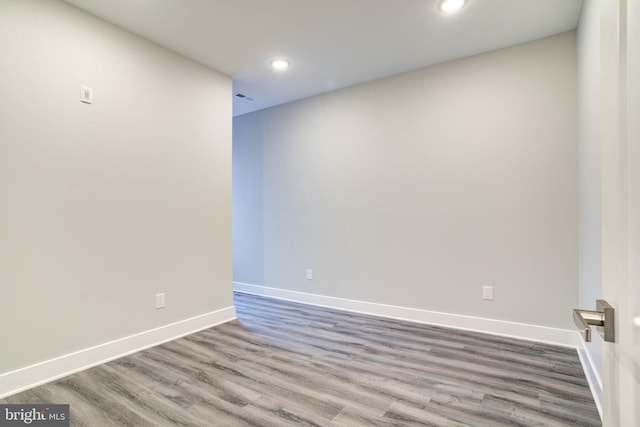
(451, 5)
(279, 64)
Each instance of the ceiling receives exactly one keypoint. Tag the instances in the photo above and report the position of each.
(331, 43)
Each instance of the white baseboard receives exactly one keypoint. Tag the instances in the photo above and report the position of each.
(50, 370)
(591, 372)
(562, 337)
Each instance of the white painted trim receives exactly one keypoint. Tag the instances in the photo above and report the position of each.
(53, 369)
(592, 374)
(543, 334)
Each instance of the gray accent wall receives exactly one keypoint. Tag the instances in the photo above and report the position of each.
(248, 259)
(105, 205)
(419, 189)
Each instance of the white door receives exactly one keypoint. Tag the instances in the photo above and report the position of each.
(620, 132)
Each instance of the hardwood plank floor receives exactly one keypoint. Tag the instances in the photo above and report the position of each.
(286, 364)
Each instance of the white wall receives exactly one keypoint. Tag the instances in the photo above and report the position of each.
(105, 205)
(419, 189)
(590, 170)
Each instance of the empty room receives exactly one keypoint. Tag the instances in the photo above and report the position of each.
(320, 213)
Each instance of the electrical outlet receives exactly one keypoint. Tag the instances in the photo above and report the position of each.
(160, 301)
(309, 274)
(487, 292)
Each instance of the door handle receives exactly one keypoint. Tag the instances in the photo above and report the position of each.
(603, 319)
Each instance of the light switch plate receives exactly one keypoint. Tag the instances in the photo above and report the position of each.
(86, 95)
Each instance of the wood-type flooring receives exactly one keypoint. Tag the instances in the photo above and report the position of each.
(287, 364)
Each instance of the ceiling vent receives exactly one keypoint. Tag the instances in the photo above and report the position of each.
(244, 97)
